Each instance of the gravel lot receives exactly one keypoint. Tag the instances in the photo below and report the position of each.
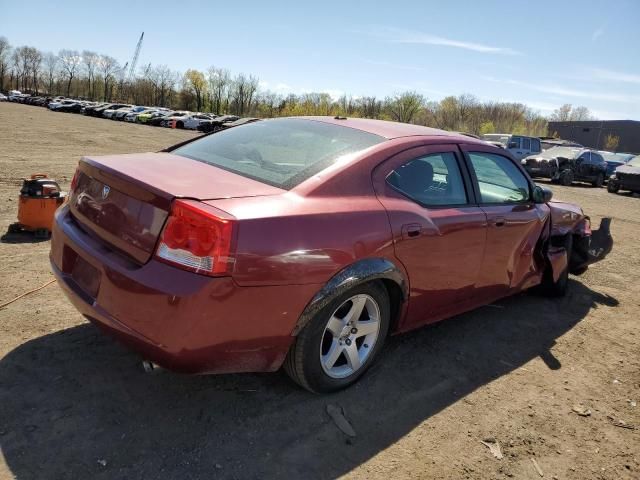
(74, 404)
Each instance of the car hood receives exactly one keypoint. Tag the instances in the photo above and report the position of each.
(628, 170)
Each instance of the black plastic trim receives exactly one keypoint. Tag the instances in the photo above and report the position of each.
(357, 273)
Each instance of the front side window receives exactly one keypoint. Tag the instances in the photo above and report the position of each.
(500, 181)
(431, 180)
(535, 145)
(585, 157)
(514, 142)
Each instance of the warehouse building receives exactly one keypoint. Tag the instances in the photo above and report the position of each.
(594, 133)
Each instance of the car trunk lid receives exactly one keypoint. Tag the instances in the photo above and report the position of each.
(125, 199)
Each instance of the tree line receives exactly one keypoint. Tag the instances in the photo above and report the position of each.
(95, 76)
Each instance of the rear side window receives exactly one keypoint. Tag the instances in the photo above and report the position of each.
(526, 143)
(500, 181)
(430, 180)
(280, 152)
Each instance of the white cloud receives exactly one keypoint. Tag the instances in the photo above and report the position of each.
(397, 35)
(567, 92)
(611, 75)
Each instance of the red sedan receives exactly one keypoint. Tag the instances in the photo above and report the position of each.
(304, 242)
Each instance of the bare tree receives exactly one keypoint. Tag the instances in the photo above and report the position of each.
(90, 60)
(164, 80)
(568, 112)
(219, 81)
(51, 69)
(70, 61)
(404, 107)
(5, 48)
(108, 67)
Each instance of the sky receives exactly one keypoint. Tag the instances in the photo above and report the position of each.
(542, 53)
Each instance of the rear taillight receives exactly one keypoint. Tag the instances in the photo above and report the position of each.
(198, 238)
(74, 181)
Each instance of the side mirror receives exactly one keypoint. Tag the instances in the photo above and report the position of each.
(512, 145)
(542, 194)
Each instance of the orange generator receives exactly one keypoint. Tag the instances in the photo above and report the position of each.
(40, 196)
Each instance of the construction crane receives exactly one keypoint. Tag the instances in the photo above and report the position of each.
(134, 61)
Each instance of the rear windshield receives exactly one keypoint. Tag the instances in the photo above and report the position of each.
(280, 152)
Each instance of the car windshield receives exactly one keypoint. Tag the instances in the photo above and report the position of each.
(280, 152)
(616, 157)
(565, 152)
(496, 137)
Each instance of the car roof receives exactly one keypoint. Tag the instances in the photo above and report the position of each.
(384, 128)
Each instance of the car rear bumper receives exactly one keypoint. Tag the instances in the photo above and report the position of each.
(180, 320)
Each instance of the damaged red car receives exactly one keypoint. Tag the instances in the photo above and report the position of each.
(305, 242)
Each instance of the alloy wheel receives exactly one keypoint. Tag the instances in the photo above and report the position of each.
(350, 336)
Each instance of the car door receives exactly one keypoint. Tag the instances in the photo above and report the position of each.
(535, 145)
(583, 166)
(515, 147)
(526, 147)
(438, 231)
(515, 222)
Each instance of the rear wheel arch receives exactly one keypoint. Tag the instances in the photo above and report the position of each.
(363, 271)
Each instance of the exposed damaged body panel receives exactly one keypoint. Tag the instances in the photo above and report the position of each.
(571, 230)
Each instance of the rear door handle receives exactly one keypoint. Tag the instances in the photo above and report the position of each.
(498, 222)
(411, 230)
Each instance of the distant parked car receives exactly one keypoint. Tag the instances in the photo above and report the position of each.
(566, 165)
(96, 111)
(626, 177)
(133, 115)
(217, 123)
(14, 95)
(167, 119)
(615, 160)
(110, 112)
(3, 98)
(61, 105)
(192, 121)
(147, 117)
(122, 113)
(518, 145)
(72, 107)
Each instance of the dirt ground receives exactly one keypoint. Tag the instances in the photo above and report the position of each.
(74, 404)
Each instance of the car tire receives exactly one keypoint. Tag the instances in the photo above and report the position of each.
(599, 181)
(566, 178)
(323, 356)
(613, 186)
(551, 288)
(179, 125)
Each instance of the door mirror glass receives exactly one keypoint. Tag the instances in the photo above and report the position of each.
(542, 194)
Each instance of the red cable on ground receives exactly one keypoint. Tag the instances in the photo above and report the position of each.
(27, 293)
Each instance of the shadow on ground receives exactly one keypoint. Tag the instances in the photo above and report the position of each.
(22, 237)
(73, 400)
